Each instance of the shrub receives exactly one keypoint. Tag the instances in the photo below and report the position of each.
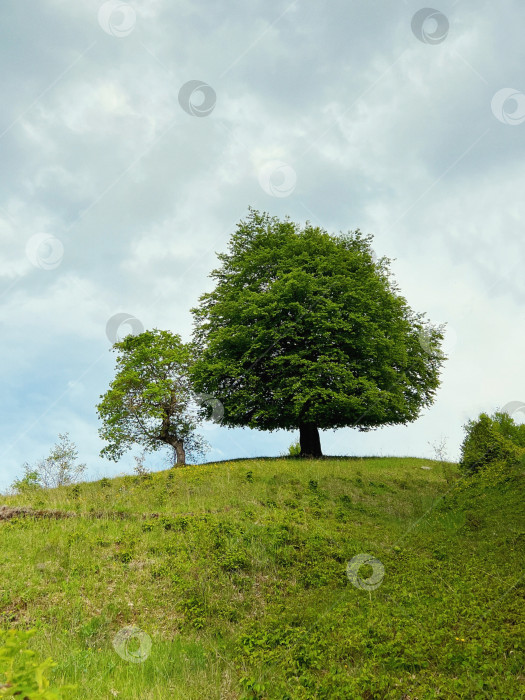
(295, 449)
(29, 482)
(489, 439)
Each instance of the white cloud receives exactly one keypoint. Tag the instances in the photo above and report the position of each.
(379, 128)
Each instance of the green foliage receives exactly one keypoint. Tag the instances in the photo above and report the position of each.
(295, 449)
(20, 674)
(59, 468)
(75, 491)
(149, 402)
(490, 439)
(195, 609)
(304, 328)
(509, 429)
(29, 482)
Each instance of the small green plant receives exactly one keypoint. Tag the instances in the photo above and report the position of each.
(20, 674)
(105, 483)
(249, 477)
(125, 556)
(75, 491)
(180, 523)
(252, 689)
(169, 523)
(233, 559)
(295, 449)
(195, 609)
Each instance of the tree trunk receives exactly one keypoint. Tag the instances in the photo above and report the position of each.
(180, 452)
(309, 439)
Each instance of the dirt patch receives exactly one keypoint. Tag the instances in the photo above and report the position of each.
(8, 512)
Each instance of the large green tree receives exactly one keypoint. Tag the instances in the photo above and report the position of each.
(305, 330)
(151, 402)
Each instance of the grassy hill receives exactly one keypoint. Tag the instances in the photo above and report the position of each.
(237, 573)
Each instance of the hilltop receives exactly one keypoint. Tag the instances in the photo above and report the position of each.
(236, 572)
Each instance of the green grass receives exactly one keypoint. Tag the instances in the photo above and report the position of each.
(237, 572)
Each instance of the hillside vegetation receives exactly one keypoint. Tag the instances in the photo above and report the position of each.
(236, 572)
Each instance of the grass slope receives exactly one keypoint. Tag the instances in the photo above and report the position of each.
(236, 571)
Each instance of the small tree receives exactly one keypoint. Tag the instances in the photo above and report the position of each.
(59, 468)
(150, 402)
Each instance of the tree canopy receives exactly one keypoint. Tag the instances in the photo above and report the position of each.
(150, 402)
(306, 330)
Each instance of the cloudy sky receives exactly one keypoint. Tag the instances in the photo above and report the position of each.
(134, 136)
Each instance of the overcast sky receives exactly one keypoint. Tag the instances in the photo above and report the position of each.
(134, 136)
